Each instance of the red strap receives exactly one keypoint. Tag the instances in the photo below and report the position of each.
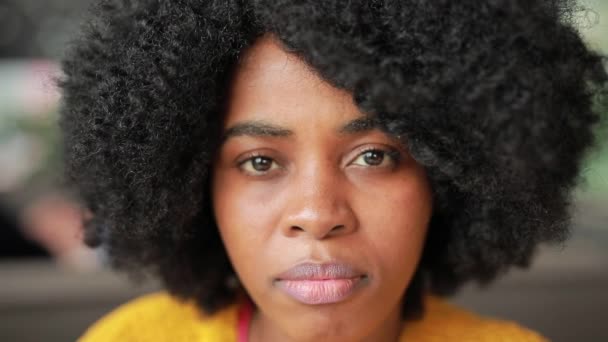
(244, 319)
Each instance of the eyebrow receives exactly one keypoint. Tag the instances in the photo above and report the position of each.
(262, 128)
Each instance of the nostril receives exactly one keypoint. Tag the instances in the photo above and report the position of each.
(337, 228)
(318, 232)
(297, 228)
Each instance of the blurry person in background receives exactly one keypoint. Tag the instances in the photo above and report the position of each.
(54, 221)
(38, 210)
(48, 226)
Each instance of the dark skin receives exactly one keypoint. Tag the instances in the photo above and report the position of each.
(310, 189)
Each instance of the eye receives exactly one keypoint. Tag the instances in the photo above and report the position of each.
(376, 157)
(256, 164)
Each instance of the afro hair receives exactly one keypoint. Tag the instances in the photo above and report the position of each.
(494, 98)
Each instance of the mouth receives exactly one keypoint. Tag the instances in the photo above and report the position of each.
(313, 284)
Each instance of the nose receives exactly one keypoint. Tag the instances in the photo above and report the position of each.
(319, 207)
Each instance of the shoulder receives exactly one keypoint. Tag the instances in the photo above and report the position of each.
(444, 321)
(162, 317)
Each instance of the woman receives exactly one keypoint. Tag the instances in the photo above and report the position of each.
(324, 170)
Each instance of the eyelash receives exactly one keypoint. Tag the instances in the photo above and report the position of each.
(392, 153)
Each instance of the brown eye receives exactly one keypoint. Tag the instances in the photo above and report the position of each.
(377, 157)
(374, 157)
(261, 163)
(256, 165)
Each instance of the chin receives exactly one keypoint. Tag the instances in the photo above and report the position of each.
(327, 325)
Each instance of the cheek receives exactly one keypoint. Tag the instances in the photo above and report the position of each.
(239, 214)
(397, 229)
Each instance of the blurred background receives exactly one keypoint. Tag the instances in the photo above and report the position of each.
(52, 287)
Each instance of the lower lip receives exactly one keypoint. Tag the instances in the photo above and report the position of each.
(319, 291)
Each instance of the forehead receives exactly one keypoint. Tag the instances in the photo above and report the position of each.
(272, 85)
(267, 63)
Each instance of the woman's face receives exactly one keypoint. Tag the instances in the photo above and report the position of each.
(302, 178)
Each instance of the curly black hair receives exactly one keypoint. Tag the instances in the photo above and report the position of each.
(493, 98)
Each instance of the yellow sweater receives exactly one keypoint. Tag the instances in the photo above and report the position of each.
(159, 317)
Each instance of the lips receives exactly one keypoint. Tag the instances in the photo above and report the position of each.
(312, 283)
